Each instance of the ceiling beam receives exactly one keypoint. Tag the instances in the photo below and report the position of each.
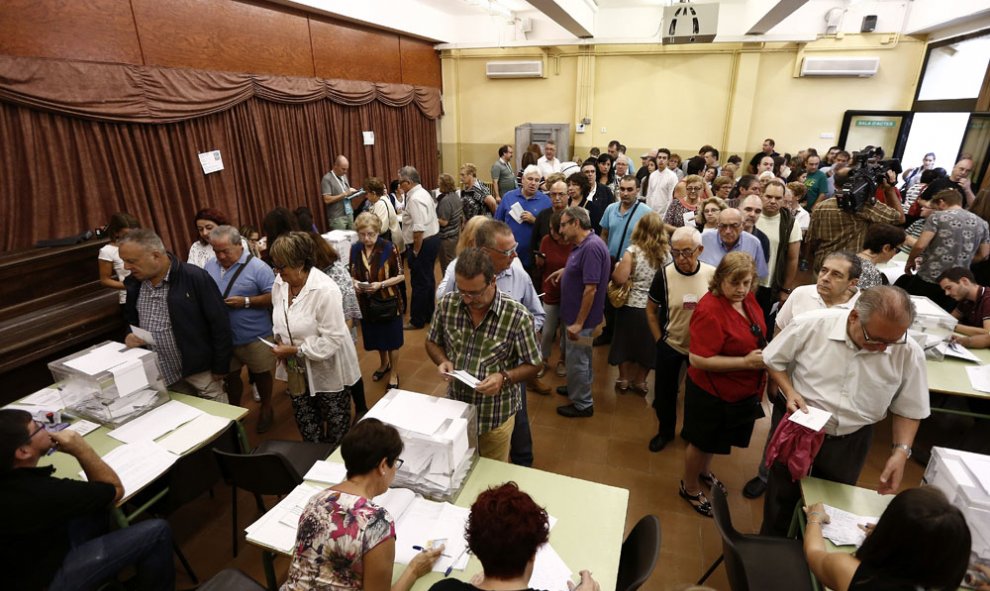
(775, 15)
(577, 17)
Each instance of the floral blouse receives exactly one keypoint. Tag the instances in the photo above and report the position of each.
(336, 530)
(338, 272)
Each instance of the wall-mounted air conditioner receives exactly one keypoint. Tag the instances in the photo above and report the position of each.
(516, 69)
(863, 67)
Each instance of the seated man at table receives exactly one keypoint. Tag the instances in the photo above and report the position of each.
(858, 365)
(973, 308)
(182, 309)
(482, 332)
(53, 531)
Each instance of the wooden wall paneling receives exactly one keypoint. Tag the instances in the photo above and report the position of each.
(354, 53)
(420, 63)
(95, 30)
(224, 35)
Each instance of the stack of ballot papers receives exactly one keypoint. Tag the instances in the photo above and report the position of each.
(844, 528)
(440, 438)
(43, 401)
(185, 425)
(138, 464)
(418, 523)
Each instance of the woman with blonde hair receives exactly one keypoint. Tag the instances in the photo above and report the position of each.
(465, 240)
(726, 375)
(476, 199)
(647, 253)
(710, 208)
(684, 209)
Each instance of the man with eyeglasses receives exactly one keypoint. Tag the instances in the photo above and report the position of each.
(54, 530)
(481, 331)
(519, 209)
(836, 288)
(674, 294)
(729, 236)
(859, 366)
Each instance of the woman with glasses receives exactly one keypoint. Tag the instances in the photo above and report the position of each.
(314, 346)
(684, 210)
(647, 254)
(710, 208)
(726, 376)
(346, 541)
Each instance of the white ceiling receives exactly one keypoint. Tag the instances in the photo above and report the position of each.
(463, 23)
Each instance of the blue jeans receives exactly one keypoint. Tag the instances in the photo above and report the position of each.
(147, 545)
(521, 445)
(579, 376)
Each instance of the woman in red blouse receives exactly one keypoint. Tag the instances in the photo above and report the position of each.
(726, 376)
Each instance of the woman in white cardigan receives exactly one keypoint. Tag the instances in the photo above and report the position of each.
(314, 347)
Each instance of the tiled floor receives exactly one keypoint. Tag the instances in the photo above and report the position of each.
(610, 447)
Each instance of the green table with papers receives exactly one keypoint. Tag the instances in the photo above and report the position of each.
(949, 375)
(588, 533)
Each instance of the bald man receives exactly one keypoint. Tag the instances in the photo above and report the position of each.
(337, 193)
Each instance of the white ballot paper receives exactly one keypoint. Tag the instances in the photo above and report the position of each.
(815, 419)
(143, 335)
(327, 472)
(843, 527)
(979, 377)
(516, 212)
(83, 427)
(156, 423)
(137, 464)
(950, 349)
(550, 572)
(129, 377)
(464, 377)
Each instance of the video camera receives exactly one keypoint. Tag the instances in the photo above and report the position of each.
(870, 172)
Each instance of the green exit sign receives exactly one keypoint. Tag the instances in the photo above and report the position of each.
(874, 123)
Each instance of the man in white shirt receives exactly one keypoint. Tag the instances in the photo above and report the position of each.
(784, 239)
(857, 365)
(661, 185)
(836, 288)
(421, 233)
(548, 162)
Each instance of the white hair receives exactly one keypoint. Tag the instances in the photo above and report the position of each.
(686, 233)
(532, 169)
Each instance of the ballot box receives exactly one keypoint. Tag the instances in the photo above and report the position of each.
(440, 439)
(931, 319)
(964, 477)
(341, 241)
(109, 383)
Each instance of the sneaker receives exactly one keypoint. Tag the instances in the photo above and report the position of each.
(561, 370)
(572, 412)
(754, 488)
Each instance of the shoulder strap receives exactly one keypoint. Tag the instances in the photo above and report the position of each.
(626, 229)
(237, 274)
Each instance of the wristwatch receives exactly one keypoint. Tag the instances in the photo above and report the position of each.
(247, 302)
(505, 377)
(785, 290)
(902, 446)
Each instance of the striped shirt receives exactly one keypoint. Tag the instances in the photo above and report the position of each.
(152, 308)
(503, 340)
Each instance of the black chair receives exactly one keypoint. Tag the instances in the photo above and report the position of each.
(274, 468)
(192, 475)
(754, 562)
(231, 579)
(639, 554)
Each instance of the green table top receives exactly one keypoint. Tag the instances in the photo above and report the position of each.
(949, 375)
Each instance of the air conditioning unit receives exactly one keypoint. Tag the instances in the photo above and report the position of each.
(519, 69)
(862, 67)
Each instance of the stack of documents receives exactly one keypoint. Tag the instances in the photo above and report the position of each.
(440, 438)
(845, 528)
(138, 464)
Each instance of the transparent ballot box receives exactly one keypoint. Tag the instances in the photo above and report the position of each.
(109, 383)
(964, 477)
(440, 439)
(931, 319)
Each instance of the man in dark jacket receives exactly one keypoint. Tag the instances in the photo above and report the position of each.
(181, 307)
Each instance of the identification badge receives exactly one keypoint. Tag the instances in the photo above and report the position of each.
(689, 302)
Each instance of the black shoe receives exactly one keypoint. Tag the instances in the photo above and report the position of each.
(698, 501)
(570, 411)
(562, 390)
(754, 488)
(711, 480)
(659, 442)
(601, 340)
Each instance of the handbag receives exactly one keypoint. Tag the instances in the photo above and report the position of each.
(617, 294)
(381, 310)
(295, 367)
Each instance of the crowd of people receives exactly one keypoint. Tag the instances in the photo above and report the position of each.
(677, 262)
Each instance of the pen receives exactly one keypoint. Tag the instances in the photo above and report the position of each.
(422, 549)
(446, 573)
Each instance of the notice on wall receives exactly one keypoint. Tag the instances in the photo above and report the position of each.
(211, 161)
(369, 138)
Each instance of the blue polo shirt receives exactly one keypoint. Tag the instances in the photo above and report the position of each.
(246, 324)
(715, 250)
(522, 231)
(614, 221)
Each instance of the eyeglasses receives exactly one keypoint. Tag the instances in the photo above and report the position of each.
(473, 295)
(761, 341)
(694, 189)
(734, 226)
(685, 253)
(567, 222)
(38, 428)
(398, 463)
(507, 252)
(873, 341)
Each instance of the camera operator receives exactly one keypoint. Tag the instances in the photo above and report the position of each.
(864, 195)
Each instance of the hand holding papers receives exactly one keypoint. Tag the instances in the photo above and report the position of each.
(844, 528)
(463, 377)
(814, 419)
(954, 349)
(516, 211)
(143, 334)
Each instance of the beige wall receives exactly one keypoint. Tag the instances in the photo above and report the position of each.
(729, 95)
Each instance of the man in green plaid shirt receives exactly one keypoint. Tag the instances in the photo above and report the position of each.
(480, 331)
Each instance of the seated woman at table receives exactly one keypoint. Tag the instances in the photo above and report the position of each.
(505, 529)
(921, 542)
(344, 540)
(726, 376)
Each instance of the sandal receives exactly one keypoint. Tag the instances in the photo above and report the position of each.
(641, 387)
(393, 386)
(697, 501)
(381, 373)
(621, 385)
(711, 480)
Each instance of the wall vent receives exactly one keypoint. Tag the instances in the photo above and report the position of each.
(519, 69)
(862, 67)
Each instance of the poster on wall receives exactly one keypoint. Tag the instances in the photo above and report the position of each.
(211, 161)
